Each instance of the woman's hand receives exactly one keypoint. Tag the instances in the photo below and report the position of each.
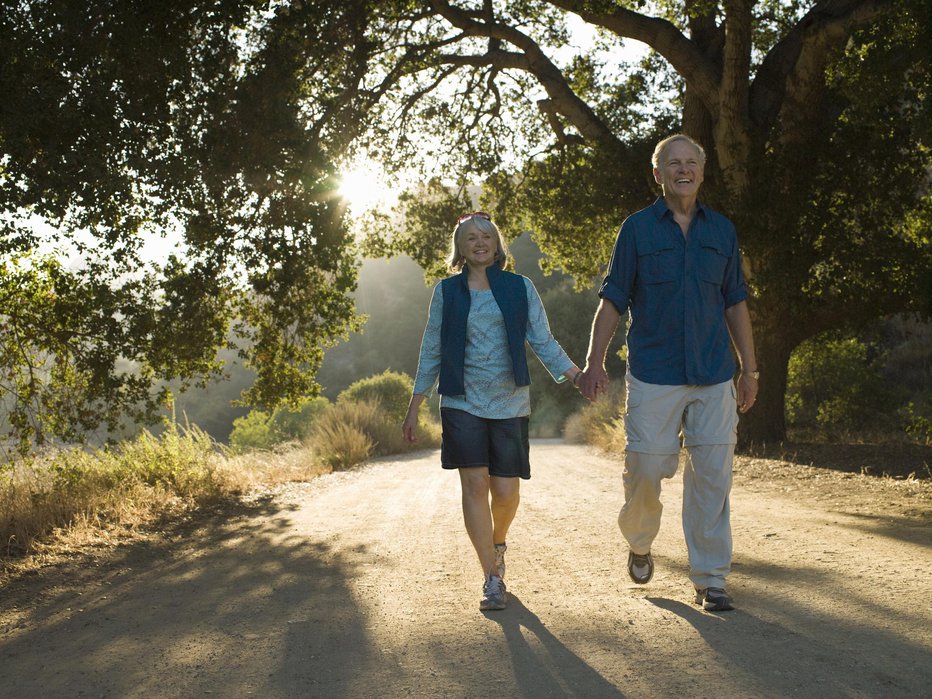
(594, 382)
(409, 426)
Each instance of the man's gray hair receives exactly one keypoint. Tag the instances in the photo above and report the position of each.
(665, 143)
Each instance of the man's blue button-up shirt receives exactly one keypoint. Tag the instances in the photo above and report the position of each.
(677, 289)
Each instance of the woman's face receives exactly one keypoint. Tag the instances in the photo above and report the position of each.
(478, 247)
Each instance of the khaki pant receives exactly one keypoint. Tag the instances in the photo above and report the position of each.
(706, 419)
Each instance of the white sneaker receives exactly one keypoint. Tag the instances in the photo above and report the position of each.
(493, 594)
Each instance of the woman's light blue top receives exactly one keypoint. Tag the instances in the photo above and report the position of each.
(487, 371)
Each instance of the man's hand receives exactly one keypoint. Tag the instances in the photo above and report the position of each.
(747, 392)
(594, 382)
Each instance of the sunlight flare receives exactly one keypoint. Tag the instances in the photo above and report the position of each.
(364, 187)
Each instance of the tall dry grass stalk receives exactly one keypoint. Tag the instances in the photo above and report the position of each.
(600, 423)
(65, 490)
(349, 433)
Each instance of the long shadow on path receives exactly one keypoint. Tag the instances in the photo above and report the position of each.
(215, 613)
(543, 665)
(802, 655)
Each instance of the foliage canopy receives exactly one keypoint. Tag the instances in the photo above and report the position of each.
(216, 124)
(814, 115)
(223, 122)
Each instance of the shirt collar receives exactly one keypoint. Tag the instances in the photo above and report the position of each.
(660, 208)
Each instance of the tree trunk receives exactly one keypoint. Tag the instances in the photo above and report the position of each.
(766, 421)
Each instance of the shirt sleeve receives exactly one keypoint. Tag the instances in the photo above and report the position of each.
(428, 362)
(622, 269)
(736, 289)
(541, 340)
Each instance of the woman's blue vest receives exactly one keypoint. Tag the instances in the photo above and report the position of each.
(511, 296)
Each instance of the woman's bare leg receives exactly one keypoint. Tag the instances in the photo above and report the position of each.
(477, 514)
(506, 494)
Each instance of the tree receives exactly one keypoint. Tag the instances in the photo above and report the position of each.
(220, 122)
(225, 120)
(814, 115)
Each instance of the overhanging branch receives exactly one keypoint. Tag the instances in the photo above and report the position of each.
(792, 74)
(684, 55)
(530, 59)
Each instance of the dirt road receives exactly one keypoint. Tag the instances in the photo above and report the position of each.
(363, 584)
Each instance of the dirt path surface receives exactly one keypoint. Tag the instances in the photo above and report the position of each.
(364, 584)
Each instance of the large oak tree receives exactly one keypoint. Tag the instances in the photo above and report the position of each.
(225, 120)
(815, 117)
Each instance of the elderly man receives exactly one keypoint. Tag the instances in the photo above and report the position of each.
(676, 268)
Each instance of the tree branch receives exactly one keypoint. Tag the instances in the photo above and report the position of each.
(684, 55)
(531, 59)
(791, 77)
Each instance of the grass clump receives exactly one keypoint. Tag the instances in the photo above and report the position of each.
(600, 423)
(126, 485)
(351, 432)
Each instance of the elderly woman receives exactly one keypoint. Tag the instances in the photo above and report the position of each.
(479, 321)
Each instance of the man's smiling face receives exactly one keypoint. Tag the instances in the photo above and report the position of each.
(680, 171)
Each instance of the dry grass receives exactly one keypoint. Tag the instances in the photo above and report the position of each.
(349, 433)
(262, 469)
(74, 492)
(599, 423)
(344, 445)
(69, 498)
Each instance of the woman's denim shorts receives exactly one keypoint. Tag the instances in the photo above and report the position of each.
(470, 441)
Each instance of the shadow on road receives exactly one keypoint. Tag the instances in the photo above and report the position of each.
(899, 460)
(242, 607)
(542, 662)
(804, 648)
(906, 529)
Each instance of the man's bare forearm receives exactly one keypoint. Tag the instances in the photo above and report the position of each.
(604, 325)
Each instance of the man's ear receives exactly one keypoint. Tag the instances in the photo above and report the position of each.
(657, 176)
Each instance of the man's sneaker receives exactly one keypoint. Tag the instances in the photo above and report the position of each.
(493, 594)
(500, 558)
(640, 567)
(714, 599)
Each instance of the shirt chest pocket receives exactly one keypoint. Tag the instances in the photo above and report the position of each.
(712, 263)
(658, 261)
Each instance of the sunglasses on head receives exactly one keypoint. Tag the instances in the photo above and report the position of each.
(466, 217)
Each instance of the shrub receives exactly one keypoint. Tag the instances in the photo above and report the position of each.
(349, 433)
(296, 423)
(253, 431)
(390, 389)
(834, 384)
(600, 423)
(181, 461)
(259, 430)
(918, 422)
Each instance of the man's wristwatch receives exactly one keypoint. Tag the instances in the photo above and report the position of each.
(753, 374)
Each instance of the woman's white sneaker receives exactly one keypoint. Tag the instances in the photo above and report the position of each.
(493, 594)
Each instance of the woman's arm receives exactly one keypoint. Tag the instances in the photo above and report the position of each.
(542, 341)
(428, 365)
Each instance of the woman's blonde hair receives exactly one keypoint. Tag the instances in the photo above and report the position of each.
(482, 222)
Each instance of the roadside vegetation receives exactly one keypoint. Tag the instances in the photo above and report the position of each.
(78, 495)
(840, 393)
